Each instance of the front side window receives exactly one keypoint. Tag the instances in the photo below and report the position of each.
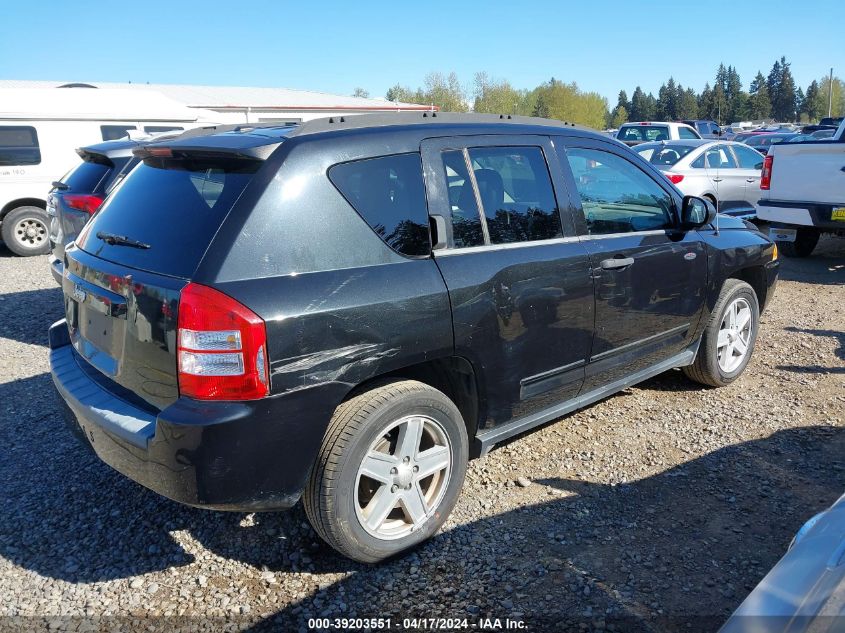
(748, 158)
(516, 194)
(616, 196)
(389, 194)
(115, 132)
(685, 132)
(717, 157)
(19, 145)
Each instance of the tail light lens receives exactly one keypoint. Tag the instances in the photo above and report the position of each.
(222, 347)
(83, 202)
(766, 174)
(675, 178)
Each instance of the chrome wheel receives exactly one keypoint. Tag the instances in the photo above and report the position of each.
(30, 232)
(734, 335)
(403, 477)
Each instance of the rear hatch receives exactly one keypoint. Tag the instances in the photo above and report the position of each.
(122, 281)
(74, 199)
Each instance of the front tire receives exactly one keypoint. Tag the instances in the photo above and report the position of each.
(728, 340)
(804, 244)
(25, 231)
(389, 471)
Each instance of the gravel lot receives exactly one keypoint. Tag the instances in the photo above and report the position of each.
(656, 510)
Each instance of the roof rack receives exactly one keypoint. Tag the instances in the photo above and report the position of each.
(384, 119)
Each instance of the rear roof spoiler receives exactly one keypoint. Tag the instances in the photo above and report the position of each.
(249, 142)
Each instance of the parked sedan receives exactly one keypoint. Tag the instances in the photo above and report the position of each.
(727, 173)
(762, 142)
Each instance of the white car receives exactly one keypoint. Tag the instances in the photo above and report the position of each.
(636, 133)
(40, 129)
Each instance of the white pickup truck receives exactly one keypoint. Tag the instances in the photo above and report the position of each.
(803, 192)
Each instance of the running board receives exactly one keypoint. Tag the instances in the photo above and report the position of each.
(486, 440)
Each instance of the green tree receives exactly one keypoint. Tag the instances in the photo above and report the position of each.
(759, 104)
(783, 101)
(666, 101)
(622, 101)
(361, 92)
(445, 92)
(497, 97)
(559, 100)
(618, 117)
(838, 105)
(686, 103)
(403, 94)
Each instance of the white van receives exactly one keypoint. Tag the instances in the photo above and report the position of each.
(40, 129)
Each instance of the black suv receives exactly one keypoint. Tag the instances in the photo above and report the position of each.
(349, 310)
(77, 196)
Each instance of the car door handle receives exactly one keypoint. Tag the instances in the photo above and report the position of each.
(717, 180)
(750, 180)
(616, 262)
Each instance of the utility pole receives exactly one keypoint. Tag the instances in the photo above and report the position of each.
(830, 95)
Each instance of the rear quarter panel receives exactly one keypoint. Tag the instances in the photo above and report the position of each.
(808, 172)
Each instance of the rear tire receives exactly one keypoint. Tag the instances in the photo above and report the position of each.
(389, 471)
(728, 340)
(804, 244)
(26, 231)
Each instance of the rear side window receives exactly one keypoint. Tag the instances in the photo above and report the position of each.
(388, 192)
(665, 155)
(114, 132)
(748, 158)
(516, 194)
(87, 177)
(466, 221)
(19, 145)
(173, 207)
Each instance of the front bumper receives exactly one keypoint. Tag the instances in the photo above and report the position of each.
(243, 456)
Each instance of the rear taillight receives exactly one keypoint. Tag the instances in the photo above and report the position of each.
(675, 178)
(83, 202)
(766, 174)
(222, 347)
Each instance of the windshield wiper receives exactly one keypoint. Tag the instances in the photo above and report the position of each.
(120, 240)
(60, 186)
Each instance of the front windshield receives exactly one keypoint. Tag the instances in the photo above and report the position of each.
(663, 155)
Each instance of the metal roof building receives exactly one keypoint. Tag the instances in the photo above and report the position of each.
(246, 105)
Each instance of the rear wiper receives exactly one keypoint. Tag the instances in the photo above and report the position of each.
(120, 240)
(60, 186)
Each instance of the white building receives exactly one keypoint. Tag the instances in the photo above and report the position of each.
(246, 105)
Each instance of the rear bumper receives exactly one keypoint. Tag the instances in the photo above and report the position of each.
(800, 214)
(56, 268)
(244, 456)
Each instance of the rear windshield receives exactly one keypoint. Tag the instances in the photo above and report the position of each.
(86, 177)
(172, 207)
(644, 133)
(663, 154)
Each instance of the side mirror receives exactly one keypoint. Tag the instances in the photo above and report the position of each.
(696, 212)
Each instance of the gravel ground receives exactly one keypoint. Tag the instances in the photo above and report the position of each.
(657, 509)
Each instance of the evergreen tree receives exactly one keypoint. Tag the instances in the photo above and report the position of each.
(773, 82)
(636, 113)
(783, 98)
(759, 104)
(622, 101)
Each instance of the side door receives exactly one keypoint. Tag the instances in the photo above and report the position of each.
(517, 274)
(719, 165)
(750, 165)
(649, 277)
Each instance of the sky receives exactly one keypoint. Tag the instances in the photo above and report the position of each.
(335, 47)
